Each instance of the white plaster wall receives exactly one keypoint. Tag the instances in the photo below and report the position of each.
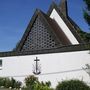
(21, 66)
(54, 15)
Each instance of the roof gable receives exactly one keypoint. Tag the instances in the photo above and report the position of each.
(39, 35)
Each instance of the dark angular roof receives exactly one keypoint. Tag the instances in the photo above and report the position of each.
(61, 42)
(53, 28)
(28, 30)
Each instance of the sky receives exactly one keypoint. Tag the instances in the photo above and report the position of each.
(15, 15)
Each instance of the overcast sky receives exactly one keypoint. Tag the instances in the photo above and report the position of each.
(16, 14)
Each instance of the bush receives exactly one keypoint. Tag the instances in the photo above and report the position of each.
(72, 85)
(15, 84)
(2, 82)
(6, 83)
(32, 83)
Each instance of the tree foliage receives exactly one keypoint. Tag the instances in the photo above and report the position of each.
(6, 83)
(84, 35)
(72, 85)
(87, 11)
(32, 83)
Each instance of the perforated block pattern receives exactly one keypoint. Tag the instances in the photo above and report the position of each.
(39, 38)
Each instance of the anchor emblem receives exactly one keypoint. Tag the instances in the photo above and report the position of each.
(36, 67)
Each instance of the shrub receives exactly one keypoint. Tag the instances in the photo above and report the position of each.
(72, 85)
(6, 82)
(32, 83)
(15, 84)
(2, 81)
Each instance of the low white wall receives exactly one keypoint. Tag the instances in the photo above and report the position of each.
(54, 15)
(21, 66)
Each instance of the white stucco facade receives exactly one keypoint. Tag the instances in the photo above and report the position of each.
(54, 15)
(55, 67)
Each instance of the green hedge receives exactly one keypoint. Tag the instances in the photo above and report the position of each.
(72, 85)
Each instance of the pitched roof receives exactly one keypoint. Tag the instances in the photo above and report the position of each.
(65, 19)
(61, 42)
(37, 18)
(53, 30)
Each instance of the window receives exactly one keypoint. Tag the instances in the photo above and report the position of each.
(0, 64)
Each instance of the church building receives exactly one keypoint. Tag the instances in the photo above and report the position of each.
(51, 49)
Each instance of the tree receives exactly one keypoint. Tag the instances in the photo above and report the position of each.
(87, 11)
(84, 35)
(72, 85)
